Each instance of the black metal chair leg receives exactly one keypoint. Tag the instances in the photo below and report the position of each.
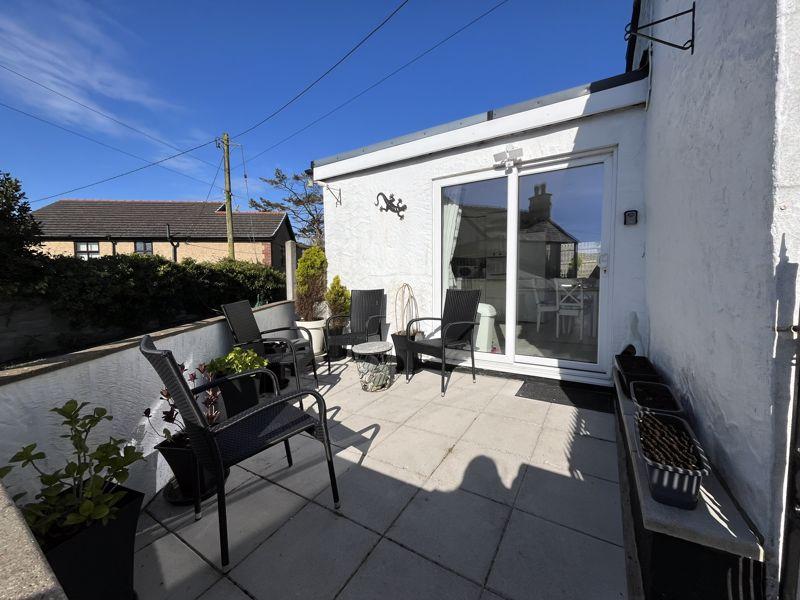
(223, 524)
(288, 452)
(472, 358)
(332, 473)
(314, 367)
(444, 369)
(198, 514)
(408, 365)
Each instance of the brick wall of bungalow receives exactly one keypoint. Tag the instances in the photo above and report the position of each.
(260, 252)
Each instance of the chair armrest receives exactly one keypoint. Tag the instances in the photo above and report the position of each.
(370, 319)
(233, 376)
(331, 318)
(250, 412)
(471, 325)
(412, 321)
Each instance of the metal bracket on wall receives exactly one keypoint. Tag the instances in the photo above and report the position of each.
(687, 45)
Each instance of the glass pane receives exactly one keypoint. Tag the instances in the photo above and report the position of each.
(558, 276)
(474, 217)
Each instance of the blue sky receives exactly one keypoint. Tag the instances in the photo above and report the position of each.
(186, 71)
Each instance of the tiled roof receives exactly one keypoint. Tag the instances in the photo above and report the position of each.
(148, 219)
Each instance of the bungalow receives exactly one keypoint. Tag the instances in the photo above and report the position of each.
(659, 205)
(172, 229)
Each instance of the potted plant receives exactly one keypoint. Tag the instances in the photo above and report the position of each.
(309, 293)
(83, 517)
(239, 394)
(175, 446)
(338, 300)
(405, 309)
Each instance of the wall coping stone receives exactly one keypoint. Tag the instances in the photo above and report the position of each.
(53, 363)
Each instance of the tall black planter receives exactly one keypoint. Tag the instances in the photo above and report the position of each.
(240, 394)
(97, 562)
(180, 458)
(400, 346)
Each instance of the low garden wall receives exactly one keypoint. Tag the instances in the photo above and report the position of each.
(117, 377)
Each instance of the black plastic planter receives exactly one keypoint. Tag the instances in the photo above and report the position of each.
(180, 458)
(400, 343)
(635, 368)
(656, 397)
(240, 394)
(97, 562)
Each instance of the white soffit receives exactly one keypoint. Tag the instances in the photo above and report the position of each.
(623, 96)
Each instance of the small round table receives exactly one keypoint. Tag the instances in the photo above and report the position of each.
(373, 370)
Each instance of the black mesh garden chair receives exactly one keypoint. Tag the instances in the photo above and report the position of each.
(365, 320)
(457, 324)
(296, 351)
(274, 419)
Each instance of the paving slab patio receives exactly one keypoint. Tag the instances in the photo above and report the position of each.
(477, 494)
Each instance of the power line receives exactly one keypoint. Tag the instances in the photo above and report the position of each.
(99, 112)
(251, 128)
(326, 73)
(96, 141)
(379, 82)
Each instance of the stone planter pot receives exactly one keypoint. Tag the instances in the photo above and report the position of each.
(317, 329)
(96, 563)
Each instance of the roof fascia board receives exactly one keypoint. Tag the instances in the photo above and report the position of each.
(593, 103)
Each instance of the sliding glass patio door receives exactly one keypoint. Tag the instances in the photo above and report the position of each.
(535, 242)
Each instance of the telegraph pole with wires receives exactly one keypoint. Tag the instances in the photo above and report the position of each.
(226, 154)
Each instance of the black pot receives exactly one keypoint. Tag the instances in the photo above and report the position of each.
(96, 563)
(400, 346)
(180, 458)
(242, 393)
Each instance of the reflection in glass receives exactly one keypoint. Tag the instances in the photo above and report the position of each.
(474, 218)
(558, 275)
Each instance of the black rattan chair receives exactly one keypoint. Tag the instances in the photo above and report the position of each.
(217, 447)
(365, 320)
(458, 323)
(296, 352)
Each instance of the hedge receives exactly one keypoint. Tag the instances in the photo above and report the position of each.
(138, 291)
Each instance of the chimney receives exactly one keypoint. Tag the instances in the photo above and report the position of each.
(540, 204)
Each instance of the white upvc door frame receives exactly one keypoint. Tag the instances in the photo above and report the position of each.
(508, 360)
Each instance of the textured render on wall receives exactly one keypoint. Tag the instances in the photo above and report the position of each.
(372, 249)
(125, 384)
(712, 283)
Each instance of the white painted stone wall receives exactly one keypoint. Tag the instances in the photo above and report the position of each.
(722, 241)
(369, 249)
(124, 383)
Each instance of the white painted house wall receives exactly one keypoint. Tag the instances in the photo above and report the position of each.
(722, 243)
(125, 384)
(370, 249)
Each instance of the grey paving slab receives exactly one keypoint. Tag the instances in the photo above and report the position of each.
(224, 590)
(147, 531)
(581, 421)
(485, 471)
(168, 569)
(311, 556)
(443, 420)
(577, 454)
(393, 407)
(456, 529)
(467, 397)
(373, 493)
(413, 449)
(586, 503)
(361, 432)
(255, 510)
(501, 433)
(523, 409)
(541, 561)
(393, 573)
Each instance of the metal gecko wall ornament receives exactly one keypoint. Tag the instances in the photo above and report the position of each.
(391, 205)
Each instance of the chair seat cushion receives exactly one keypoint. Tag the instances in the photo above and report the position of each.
(257, 428)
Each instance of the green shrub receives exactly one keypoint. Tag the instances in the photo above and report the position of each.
(311, 274)
(338, 299)
(133, 291)
(237, 360)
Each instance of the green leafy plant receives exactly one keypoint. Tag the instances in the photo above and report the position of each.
(237, 360)
(338, 300)
(311, 274)
(85, 490)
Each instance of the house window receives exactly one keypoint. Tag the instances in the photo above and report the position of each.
(87, 250)
(143, 247)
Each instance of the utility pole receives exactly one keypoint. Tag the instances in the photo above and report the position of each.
(226, 153)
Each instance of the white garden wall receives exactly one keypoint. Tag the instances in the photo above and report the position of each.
(722, 245)
(369, 248)
(123, 382)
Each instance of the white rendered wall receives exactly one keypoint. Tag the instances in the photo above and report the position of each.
(369, 249)
(722, 245)
(124, 383)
